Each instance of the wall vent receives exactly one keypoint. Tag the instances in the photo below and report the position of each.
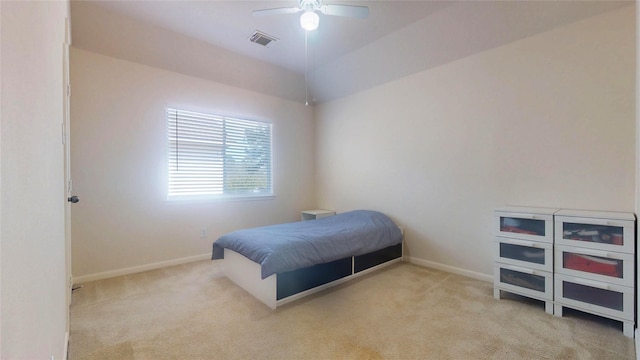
(261, 38)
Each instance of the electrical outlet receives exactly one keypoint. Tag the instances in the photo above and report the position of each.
(203, 232)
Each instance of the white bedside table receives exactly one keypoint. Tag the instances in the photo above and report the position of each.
(316, 214)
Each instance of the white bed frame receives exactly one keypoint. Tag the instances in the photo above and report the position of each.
(247, 274)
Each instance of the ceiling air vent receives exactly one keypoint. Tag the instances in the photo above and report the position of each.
(261, 38)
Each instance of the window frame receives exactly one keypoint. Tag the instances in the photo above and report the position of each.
(242, 196)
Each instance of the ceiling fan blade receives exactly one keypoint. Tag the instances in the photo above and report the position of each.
(360, 12)
(276, 11)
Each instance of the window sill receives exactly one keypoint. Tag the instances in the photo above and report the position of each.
(215, 199)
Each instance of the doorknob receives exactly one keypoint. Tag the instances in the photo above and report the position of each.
(74, 199)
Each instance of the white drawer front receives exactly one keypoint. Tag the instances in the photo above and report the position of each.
(519, 280)
(599, 234)
(595, 297)
(610, 267)
(535, 227)
(524, 253)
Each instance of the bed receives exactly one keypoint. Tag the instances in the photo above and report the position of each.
(281, 263)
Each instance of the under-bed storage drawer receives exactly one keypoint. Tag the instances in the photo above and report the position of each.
(367, 261)
(607, 266)
(293, 282)
(595, 296)
(529, 282)
(529, 254)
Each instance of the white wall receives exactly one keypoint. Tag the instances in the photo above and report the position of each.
(119, 165)
(545, 121)
(34, 311)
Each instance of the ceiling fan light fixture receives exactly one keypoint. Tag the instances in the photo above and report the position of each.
(309, 20)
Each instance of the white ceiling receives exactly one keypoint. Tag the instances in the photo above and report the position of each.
(209, 39)
(229, 24)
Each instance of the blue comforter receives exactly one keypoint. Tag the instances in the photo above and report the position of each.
(291, 246)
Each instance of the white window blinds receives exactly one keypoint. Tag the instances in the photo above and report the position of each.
(217, 156)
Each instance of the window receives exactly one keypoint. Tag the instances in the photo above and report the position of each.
(217, 156)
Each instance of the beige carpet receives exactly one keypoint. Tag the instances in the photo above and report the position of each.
(402, 312)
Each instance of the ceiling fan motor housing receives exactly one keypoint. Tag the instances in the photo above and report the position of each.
(310, 5)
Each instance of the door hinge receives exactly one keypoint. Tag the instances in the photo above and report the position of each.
(69, 90)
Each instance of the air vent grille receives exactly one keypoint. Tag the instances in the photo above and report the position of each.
(261, 38)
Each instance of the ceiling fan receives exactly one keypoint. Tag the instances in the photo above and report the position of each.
(309, 20)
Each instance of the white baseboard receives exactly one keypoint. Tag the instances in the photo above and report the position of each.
(141, 268)
(449, 268)
(185, 260)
